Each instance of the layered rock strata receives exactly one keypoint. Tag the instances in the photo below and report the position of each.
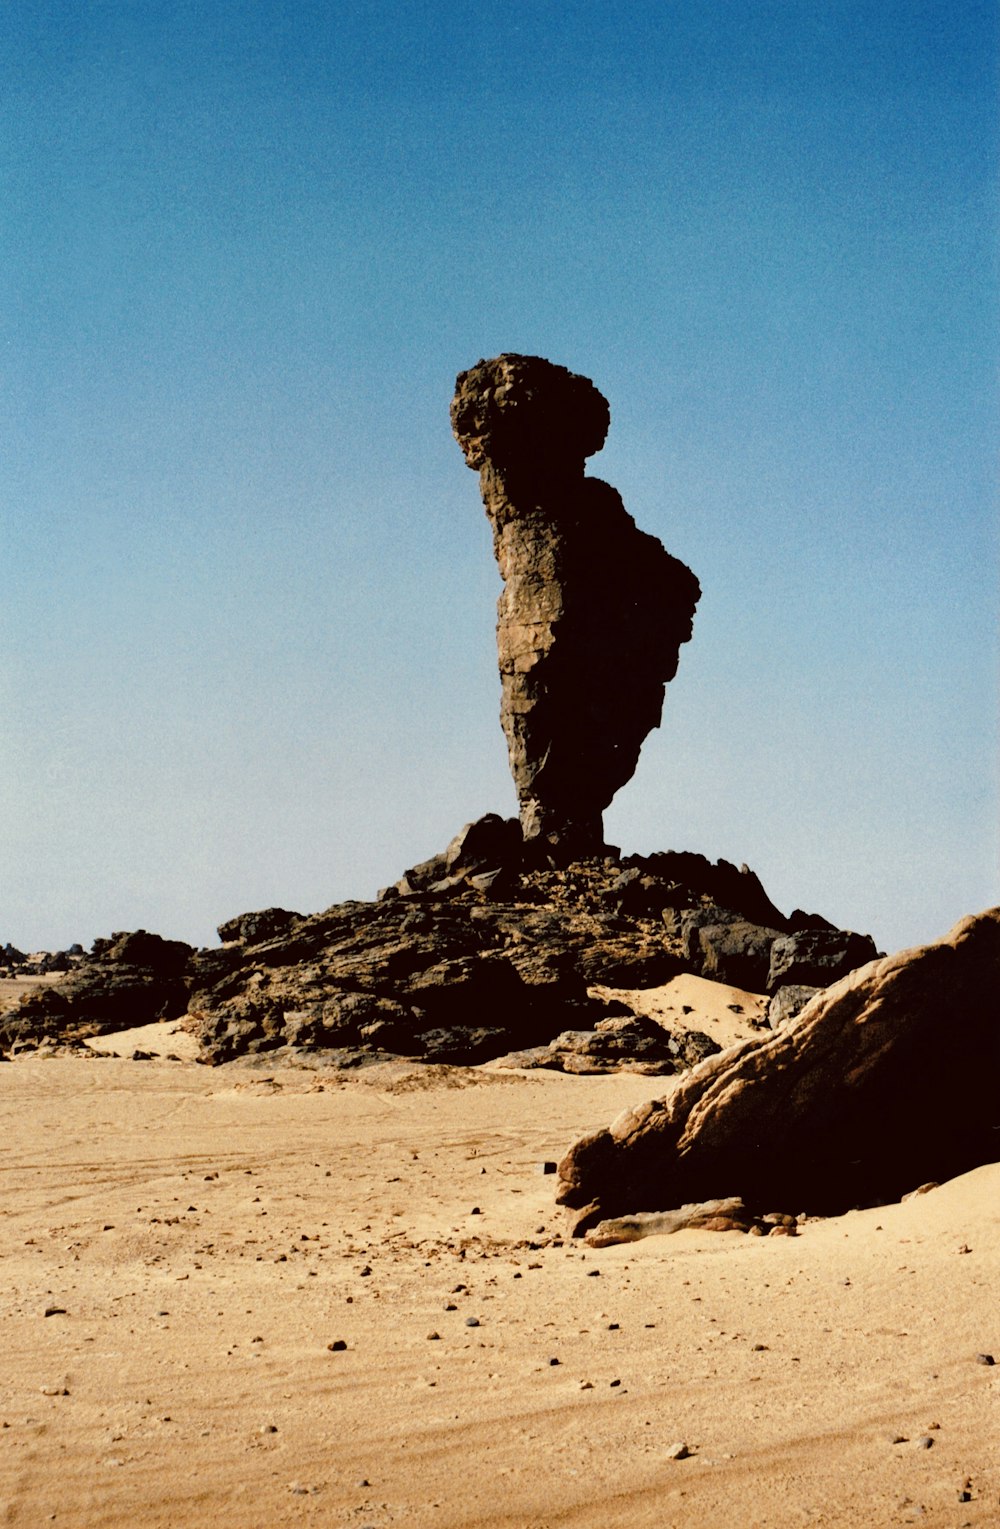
(593, 611)
(887, 1079)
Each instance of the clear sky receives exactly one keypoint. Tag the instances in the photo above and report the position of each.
(248, 589)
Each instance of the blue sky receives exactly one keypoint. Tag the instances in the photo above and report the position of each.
(248, 588)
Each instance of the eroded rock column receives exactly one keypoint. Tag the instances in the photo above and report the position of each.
(593, 610)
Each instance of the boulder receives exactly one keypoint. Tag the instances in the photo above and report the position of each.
(620, 1043)
(785, 1002)
(817, 957)
(737, 952)
(888, 1079)
(482, 853)
(729, 1215)
(139, 949)
(257, 928)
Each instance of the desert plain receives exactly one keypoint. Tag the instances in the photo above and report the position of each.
(266, 1294)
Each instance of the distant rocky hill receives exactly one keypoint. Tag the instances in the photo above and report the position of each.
(470, 956)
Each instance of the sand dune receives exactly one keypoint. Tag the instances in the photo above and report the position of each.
(202, 1237)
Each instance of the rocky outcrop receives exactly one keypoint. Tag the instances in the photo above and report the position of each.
(619, 1043)
(889, 1078)
(593, 611)
(128, 979)
(472, 955)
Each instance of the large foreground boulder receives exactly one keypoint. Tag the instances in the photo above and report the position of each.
(887, 1079)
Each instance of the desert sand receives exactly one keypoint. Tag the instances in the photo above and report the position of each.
(262, 1295)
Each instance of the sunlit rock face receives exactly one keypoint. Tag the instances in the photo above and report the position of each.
(593, 611)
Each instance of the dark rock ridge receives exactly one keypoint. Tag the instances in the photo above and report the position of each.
(128, 979)
(593, 611)
(888, 1079)
(471, 956)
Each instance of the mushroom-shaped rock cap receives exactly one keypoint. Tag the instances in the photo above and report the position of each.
(524, 409)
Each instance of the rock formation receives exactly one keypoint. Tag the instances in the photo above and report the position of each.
(593, 611)
(128, 979)
(470, 957)
(887, 1079)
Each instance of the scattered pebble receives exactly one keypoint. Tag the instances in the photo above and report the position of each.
(678, 1451)
(53, 1390)
(547, 1167)
(450, 1306)
(265, 1428)
(593, 1273)
(337, 1346)
(586, 1385)
(472, 1321)
(926, 1442)
(55, 1311)
(553, 1361)
(475, 1211)
(980, 1358)
(432, 1336)
(613, 1327)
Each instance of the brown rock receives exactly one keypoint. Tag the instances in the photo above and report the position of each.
(890, 1077)
(593, 611)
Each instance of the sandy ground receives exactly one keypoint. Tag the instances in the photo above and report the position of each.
(249, 1298)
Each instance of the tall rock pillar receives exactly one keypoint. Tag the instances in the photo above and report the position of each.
(593, 610)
